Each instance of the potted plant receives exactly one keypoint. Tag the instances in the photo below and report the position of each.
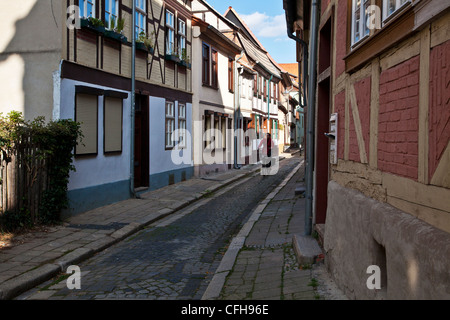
(144, 43)
(116, 32)
(93, 24)
(173, 56)
(185, 61)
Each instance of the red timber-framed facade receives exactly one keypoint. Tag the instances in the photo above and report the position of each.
(382, 185)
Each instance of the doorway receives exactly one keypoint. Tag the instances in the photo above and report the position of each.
(323, 119)
(141, 142)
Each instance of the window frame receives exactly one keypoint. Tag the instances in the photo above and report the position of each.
(182, 120)
(169, 125)
(231, 75)
(214, 68)
(170, 32)
(141, 12)
(398, 7)
(206, 61)
(84, 7)
(181, 37)
(111, 15)
(364, 32)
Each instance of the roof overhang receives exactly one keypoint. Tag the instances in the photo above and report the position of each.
(296, 15)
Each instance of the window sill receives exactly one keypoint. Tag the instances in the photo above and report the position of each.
(115, 36)
(398, 28)
(210, 86)
(172, 57)
(87, 25)
(142, 47)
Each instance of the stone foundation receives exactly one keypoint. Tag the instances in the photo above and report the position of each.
(413, 256)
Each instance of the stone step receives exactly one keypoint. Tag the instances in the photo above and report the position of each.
(306, 249)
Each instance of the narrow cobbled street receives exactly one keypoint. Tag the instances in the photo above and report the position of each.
(173, 258)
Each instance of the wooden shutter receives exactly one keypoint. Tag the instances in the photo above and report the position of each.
(86, 112)
(113, 124)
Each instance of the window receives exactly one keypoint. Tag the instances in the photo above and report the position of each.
(265, 89)
(111, 12)
(170, 124)
(86, 112)
(214, 78)
(182, 125)
(216, 133)
(208, 134)
(112, 124)
(230, 74)
(391, 6)
(182, 39)
(87, 8)
(360, 15)
(170, 33)
(224, 132)
(205, 64)
(141, 17)
(261, 86)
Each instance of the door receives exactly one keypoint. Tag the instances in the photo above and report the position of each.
(141, 142)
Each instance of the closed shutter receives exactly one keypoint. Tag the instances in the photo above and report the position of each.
(86, 112)
(113, 125)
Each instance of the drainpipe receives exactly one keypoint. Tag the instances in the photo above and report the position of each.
(268, 104)
(309, 90)
(133, 98)
(305, 65)
(237, 110)
(311, 118)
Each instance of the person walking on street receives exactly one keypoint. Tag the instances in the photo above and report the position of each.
(267, 145)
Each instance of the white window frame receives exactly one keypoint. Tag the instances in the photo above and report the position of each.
(399, 4)
(84, 8)
(141, 17)
(109, 15)
(363, 14)
(364, 31)
(181, 125)
(169, 124)
(181, 37)
(170, 32)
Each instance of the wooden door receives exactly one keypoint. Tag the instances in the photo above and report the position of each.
(141, 142)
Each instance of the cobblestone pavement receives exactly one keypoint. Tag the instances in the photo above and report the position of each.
(174, 258)
(266, 266)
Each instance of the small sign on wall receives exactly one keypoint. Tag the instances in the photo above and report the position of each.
(333, 137)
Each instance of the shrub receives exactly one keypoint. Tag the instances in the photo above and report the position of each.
(44, 154)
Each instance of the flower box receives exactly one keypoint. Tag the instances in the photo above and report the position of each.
(184, 64)
(115, 36)
(87, 24)
(172, 57)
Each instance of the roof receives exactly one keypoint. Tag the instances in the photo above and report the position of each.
(292, 68)
(222, 17)
(258, 56)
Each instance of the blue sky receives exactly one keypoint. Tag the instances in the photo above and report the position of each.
(266, 19)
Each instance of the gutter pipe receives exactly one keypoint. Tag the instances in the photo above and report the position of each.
(309, 90)
(237, 110)
(133, 101)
